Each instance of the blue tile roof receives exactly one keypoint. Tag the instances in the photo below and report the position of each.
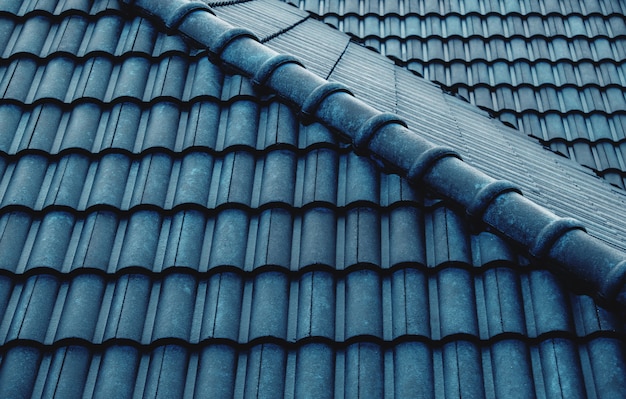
(169, 229)
(554, 69)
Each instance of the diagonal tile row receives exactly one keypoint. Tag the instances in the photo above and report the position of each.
(315, 305)
(362, 369)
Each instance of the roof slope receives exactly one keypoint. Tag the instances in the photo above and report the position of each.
(554, 69)
(168, 229)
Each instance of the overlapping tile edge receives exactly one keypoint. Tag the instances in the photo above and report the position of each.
(498, 204)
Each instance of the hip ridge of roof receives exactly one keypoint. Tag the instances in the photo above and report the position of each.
(497, 204)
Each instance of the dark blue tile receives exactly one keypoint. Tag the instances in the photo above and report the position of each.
(410, 306)
(315, 376)
(141, 240)
(68, 181)
(512, 371)
(132, 79)
(6, 289)
(270, 306)
(193, 180)
(274, 237)
(316, 305)
(11, 115)
(117, 372)
(242, 124)
(70, 366)
(185, 242)
(236, 178)
(217, 369)
(504, 302)
(462, 368)
(151, 185)
(81, 308)
(56, 79)
(550, 304)
(362, 238)
(279, 178)
(122, 127)
(280, 125)
(174, 312)
(457, 303)
(129, 307)
(414, 375)
(231, 231)
(561, 369)
(94, 79)
(52, 241)
(14, 228)
(363, 309)
(608, 366)
(110, 181)
(319, 238)
(406, 236)
(265, 371)
(208, 79)
(223, 307)
(141, 37)
(363, 180)
(43, 125)
(32, 36)
(84, 122)
(364, 371)
(170, 78)
(321, 174)
(95, 246)
(18, 78)
(18, 371)
(105, 34)
(202, 128)
(69, 35)
(32, 316)
(450, 238)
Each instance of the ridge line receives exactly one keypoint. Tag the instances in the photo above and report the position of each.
(513, 216)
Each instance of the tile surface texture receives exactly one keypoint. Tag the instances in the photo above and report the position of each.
(169, 230)
(554, 69)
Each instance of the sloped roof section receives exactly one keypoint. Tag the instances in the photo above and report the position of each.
(386, 137)
(169, 228)
(553, 69)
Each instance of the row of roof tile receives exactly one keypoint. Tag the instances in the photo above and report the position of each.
(151, 240)
(406, 304)
(423, 7)
(167, 181)
(589, 28)
(24, 80)
(80, 35)
(362, 369)
(164, 124)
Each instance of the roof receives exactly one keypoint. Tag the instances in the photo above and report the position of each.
(553, 69)
(169, 227)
